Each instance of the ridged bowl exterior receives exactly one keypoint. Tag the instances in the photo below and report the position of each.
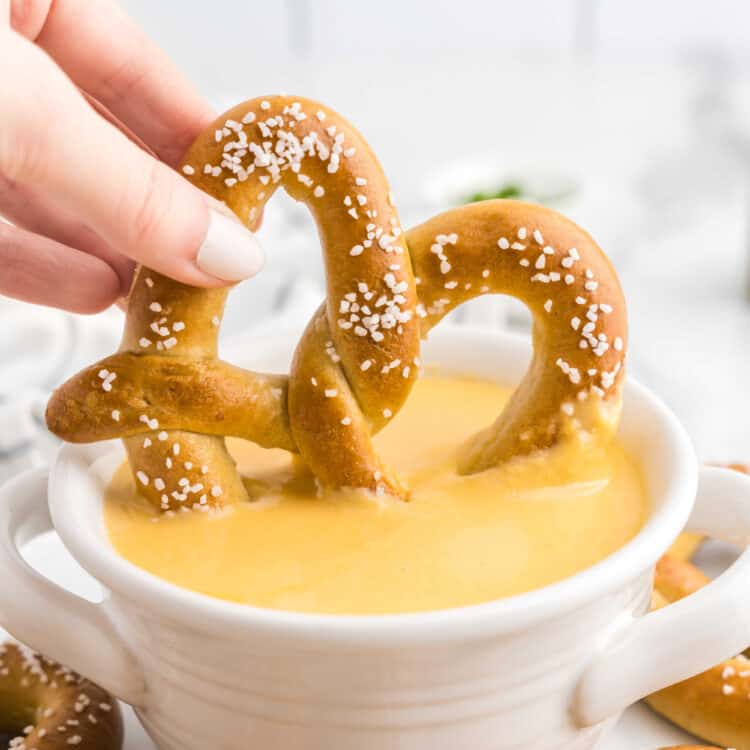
(492, 693)
(496, 676)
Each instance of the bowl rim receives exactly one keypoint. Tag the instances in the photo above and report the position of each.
(78, 522)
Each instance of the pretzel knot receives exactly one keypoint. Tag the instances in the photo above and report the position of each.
(173, 401)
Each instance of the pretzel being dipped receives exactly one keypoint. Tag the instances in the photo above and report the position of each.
(49, 707)
(714, 705)
(173, 401)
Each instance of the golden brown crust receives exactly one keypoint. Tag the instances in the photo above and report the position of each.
(359, 357)
(675, 578)
(52, 708)
(200, 395)
(743, 468)
(714, 705)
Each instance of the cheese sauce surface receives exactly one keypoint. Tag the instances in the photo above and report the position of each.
(460, 540)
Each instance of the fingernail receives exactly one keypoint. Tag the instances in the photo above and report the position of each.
(230, 251)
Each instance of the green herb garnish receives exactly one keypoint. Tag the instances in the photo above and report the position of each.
(508, 190)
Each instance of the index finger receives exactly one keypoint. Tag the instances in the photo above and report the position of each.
(109, 56)
(53, 141)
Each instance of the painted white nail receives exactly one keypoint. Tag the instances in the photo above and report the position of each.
(230, 251)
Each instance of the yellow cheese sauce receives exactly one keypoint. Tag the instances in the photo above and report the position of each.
(460, 539)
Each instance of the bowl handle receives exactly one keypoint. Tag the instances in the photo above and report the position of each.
(59, 624)
(690, 635)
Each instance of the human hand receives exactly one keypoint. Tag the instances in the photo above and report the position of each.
(89, 189)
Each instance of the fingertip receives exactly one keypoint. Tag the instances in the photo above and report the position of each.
(207, 248)
(44, 272)
(229, 251)
(151, 214)
(28, 18)
(98, 291)
(169, 225)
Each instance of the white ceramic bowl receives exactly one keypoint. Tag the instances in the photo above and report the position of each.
(546, 669)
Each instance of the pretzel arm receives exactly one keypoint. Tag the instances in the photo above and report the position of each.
(701, 705)
(558, 271)
(51, 707)
(316, 379)
(154, 393)
(675, 578)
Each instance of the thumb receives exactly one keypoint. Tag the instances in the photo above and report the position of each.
(138, 205)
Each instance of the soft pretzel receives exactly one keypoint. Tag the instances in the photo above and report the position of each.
(686, 545)
(173, 401)
(49, 707)
(714, 705)
(675, 579)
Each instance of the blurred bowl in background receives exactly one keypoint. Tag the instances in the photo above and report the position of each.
(487, 176)
(592, 195)
(581, 193)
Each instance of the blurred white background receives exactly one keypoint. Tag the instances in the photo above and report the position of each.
(632, 117)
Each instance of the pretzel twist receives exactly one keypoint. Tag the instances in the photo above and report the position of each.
(173, 401)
